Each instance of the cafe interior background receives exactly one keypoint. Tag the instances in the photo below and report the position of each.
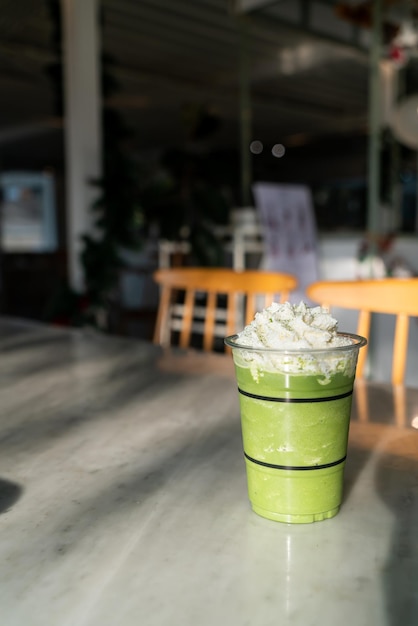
(139, 134)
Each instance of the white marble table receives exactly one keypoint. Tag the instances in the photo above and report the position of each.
(123, 498)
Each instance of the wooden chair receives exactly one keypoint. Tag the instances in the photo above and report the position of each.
(396, 296)
(209, 284)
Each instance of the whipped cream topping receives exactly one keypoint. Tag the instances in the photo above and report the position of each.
(292, 326)
(295, 328)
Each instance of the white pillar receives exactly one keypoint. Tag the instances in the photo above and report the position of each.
(82, 112)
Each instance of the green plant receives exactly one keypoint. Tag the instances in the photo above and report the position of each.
(187, 200)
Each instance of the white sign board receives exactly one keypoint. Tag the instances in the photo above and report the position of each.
(287, 218)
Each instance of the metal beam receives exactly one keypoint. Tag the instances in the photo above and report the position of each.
(245, 116)
(270, 20)
(373, 199)
(248, 6)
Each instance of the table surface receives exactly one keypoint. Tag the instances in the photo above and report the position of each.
(123, 497)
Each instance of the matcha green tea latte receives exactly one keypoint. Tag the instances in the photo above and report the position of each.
(295, 376)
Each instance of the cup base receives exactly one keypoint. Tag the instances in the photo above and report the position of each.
(295, 519)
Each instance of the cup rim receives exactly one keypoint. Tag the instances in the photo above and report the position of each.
(357, 342)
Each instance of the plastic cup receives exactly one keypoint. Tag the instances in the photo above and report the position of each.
(295, 413)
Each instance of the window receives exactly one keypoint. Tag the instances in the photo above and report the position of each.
(28, 212)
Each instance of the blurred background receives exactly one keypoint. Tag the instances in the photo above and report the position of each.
(195, 103)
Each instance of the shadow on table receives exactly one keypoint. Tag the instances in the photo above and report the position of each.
(47, 411)
(49, 349)
(9, 494)
(397, 485)
(373, 410)
(380, 428)
(196, 465)
(356, 460)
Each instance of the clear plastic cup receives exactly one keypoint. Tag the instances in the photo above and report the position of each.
(295, 414)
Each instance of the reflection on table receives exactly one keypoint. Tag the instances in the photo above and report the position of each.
(125, 497)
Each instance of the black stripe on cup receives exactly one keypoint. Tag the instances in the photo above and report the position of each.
(295, 467)
(295, 400)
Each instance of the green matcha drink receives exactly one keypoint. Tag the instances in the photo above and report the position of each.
(295, 411)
